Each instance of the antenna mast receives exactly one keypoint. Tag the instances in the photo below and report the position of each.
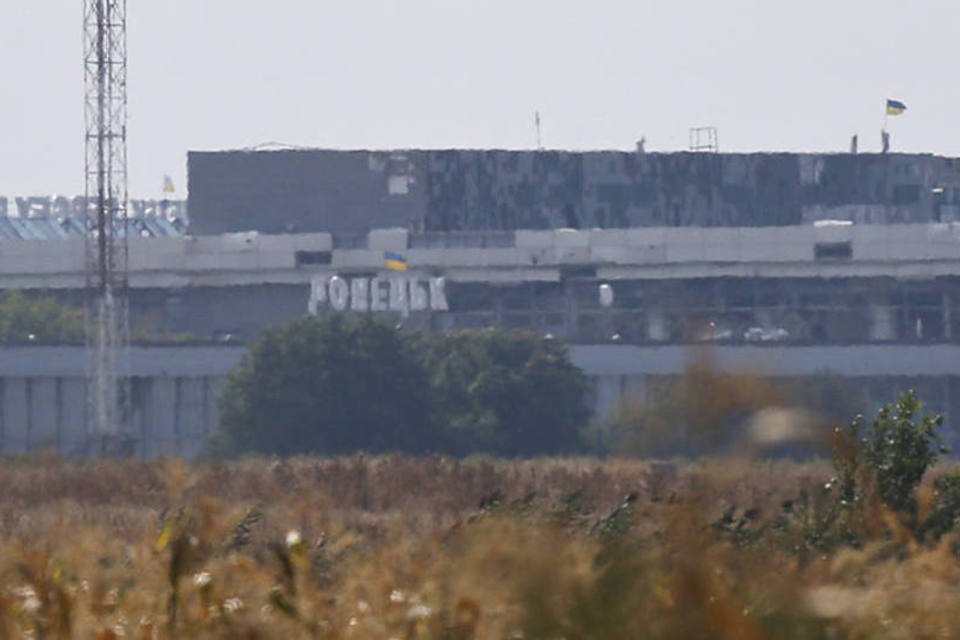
(536, 122)
(105, 73)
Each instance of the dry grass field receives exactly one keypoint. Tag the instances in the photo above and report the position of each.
(445, 549)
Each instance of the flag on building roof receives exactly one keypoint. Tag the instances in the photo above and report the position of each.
(895, 107)
(394, 261)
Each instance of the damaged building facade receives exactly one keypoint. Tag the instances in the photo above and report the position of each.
(787, 265)
(630, 217)
(743, 252)
(349, 193)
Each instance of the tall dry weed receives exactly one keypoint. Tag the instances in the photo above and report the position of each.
(392, 547)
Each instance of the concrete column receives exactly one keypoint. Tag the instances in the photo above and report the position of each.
(193, 437)
(214, 391)
(635, 388)
(947, 306)
(15, 415)
(205, 409)
(572, 323)
(764, 318)
(159, 417)
(73, 425)
(657, 325)
(178, 415)
(882, 323)
(952, 435)
(44, 408)
(138, 432)
(3, 417)
(608, 396)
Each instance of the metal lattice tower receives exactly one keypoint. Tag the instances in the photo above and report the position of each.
(105, 65)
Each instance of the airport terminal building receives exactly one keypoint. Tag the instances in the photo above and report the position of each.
(788, 265)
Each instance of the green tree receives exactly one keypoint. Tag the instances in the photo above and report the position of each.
(885, 464)
(338, 385)
(329, 386)
(504, 393)
(901, 444)
(25, 319)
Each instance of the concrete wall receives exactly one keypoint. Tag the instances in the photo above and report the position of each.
(175, 390)
(877, 373)
(239, 259)
(346, 192)
(174, 395)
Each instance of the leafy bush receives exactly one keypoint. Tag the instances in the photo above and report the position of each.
(25, 319)
(337, 385)
(327, 386)
(504, 393)
(902, 446)
(899, 447)
(943, 517)
(880, 470)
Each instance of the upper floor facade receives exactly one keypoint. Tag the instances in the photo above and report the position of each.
(350, 193)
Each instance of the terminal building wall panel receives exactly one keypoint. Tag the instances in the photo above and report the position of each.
(176, 390)
(351, 192)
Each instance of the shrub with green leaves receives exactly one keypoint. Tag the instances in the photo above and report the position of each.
(504, 393)
(337, 385)
(899, 447)
(946, 510)
(327, 386)
(884, 464)
(26, 319)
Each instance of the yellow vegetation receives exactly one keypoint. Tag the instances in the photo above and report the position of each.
(437, 548)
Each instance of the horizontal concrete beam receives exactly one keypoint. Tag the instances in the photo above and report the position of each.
(900, 251)
(595, 360)
(848, 361)
(178, 361)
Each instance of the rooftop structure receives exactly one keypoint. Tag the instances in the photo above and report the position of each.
(350, 193)
(58, 217)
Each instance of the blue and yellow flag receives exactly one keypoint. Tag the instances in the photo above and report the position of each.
(394, 261)
(895, 107)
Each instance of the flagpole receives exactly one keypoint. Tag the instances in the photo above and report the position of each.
(536, 119)
(886, 121)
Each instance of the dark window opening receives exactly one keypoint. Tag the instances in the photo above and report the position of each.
(312, 257)
(905, 194)
(832, 251)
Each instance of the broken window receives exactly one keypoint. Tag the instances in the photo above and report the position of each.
(833, 251)
(311, 257)
(904, 194)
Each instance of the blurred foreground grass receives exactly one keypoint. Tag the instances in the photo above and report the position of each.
(438, 548)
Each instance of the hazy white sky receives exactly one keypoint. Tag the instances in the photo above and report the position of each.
(213, 74)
